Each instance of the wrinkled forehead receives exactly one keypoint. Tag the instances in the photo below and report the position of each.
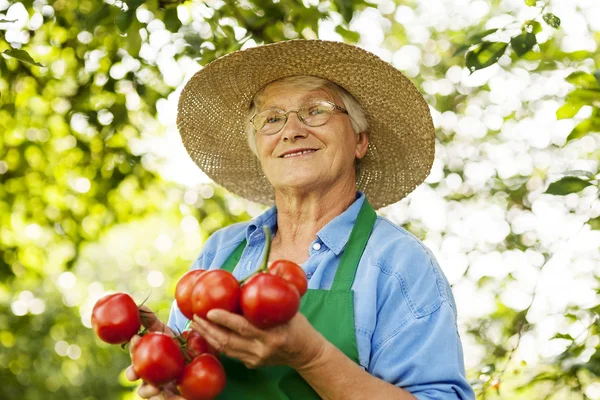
(284, 95)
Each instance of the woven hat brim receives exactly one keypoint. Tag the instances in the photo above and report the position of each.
(214, 104)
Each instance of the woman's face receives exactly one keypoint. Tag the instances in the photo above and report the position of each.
(332, 147)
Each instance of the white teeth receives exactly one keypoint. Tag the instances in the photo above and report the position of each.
(298, 153)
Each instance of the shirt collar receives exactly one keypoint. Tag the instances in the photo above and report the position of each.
(334, 235)
(254, 229)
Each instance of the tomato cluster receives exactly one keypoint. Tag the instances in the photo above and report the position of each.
(186, 360)
(267, 299)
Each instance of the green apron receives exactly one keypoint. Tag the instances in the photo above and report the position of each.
(331, 312)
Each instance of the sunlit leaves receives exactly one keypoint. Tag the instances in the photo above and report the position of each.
(345, 7)
(23, 56)
(567, 185)
(523, 43)
(350, 36)
(171, 20)
(484, 55)
(568, 110)
(474, 39)
(532, 26)
(583, 80)
(587, 92)
(551, 20)
(594, 223)
(587, 96)
(124, 19)
(585, 127)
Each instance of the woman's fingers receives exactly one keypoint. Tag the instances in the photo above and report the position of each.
(132, 343)
(130, 374)
(151, 321)
(233, 322)
(147, 391)
(222, 339)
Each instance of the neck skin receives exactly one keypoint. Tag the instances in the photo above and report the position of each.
(301, 214)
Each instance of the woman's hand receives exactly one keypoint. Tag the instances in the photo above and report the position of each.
(294, 344)
(146, 390)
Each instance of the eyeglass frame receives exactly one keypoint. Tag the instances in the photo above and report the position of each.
(286, 113)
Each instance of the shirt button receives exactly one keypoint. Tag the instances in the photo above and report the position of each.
(308, 275)
(317, 246)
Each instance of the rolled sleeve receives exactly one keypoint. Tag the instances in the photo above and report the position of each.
(425, 358)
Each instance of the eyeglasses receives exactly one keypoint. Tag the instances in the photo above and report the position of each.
(315, 113)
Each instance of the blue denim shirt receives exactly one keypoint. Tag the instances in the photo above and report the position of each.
(405, 313)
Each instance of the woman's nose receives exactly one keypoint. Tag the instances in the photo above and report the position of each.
(293, 128)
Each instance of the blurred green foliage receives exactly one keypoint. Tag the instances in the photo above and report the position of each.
(79, 205)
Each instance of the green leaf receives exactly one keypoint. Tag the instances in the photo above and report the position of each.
(22, 56)
(98, 17)
(484, 55)
(594, 223)
(572, 316)
(171, 20)
(544, 376)
(348, 35)
(134, 40)
(551, 20)
(523, 43)
(587, 96)
(477, 37)
(583, 128)
(583, 80)
(597, 76)
(345, 8)
(563, 336)
(532, 26)
(567, 185)
(124, 20)
(568, 110)
(530, 3)
(473, 39)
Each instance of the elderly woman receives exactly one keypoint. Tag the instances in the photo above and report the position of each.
(333, 132)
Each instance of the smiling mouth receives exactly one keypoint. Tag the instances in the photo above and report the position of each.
(298, 153)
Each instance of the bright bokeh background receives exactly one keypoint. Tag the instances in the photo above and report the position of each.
(465, 235)
(505, 245)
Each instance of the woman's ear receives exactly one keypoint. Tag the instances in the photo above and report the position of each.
(362, 144)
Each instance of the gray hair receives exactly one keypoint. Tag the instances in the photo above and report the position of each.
(356, 113)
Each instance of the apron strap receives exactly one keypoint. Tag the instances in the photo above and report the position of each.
(234, 258)
(355, 247)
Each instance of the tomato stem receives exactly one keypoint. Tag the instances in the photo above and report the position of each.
(145, 300)
(264, 266)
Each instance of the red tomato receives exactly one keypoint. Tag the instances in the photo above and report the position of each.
(115, 318)
(216, 289)
(157, 359)
(291, 272)
(202, 379)
(196, 345)
(183, 291)
(268, 300)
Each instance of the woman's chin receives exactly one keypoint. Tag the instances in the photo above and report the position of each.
(296, 182)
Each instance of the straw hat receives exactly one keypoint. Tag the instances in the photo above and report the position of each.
(213, 109)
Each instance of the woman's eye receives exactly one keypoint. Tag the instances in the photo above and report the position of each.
(273, 119)
(316, 111)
